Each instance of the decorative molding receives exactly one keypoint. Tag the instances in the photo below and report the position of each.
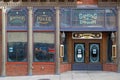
(107, 4)
(31, 4)
(93, 35)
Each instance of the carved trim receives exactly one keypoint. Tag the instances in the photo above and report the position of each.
(30, 4)
(109, 4)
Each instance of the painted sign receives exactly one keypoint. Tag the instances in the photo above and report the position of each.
(88, 18)
(79, 18)
(43, 17)
(95, 35)
(17, 17)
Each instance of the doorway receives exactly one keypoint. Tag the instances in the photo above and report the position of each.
(87, 55)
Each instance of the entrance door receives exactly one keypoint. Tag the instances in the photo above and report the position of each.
(84, 55)
(87, 55)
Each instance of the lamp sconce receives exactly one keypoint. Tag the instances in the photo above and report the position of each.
(63, 37)
(112, 36)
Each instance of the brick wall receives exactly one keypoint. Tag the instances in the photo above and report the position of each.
(43, 68)
(65, 67)
(16, 68)
(110, 67)
(0, 40)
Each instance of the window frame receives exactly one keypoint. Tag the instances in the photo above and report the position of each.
(54, 53)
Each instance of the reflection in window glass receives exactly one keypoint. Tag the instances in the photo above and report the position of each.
(110, 18)
(17, 46)
(65, 58)
(44, 49)
(88, 17)
(82, 18)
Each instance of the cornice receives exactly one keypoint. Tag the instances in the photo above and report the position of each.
(37, 4)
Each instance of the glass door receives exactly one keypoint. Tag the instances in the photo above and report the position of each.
(94, 52)
(79, 52)
(87, 52)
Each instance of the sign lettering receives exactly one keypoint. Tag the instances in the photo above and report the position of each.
(88, 18)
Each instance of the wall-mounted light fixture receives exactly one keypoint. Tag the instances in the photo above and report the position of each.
(112, 36)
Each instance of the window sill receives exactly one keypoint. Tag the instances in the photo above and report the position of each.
(17, 63)
(44, 63)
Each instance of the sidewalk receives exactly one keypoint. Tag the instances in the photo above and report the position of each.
(70, 75)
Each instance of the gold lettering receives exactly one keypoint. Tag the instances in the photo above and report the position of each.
(17, 17)
(44, 19)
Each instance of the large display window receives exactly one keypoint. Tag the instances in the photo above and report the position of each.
(44, 48)
(17, 46)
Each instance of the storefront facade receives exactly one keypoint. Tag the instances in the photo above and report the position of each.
(50, 40)
(89, 37)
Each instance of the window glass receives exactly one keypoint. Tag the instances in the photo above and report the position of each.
(88, 17)
(17, 46)
(82, 18)
(43, 18)
(17, 18)
(65, 58)
(44, 49)
(109, 50)
(110, 18)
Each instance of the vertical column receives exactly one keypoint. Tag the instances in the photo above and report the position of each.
(57, 40)
(3, 42)
(30, 44)
(118, 41)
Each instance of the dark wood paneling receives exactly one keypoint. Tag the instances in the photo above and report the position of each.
(69, 46)
(104, 47)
